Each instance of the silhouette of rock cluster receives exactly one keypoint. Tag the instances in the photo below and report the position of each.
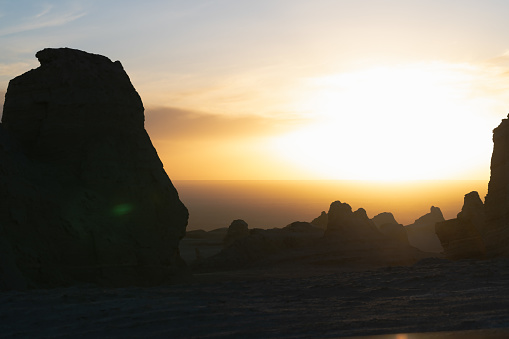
(461, 237)
(482, 230)
(345, 224)
(84, 194)
(421, 233)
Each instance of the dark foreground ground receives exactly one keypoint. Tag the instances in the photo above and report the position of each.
(433, 295)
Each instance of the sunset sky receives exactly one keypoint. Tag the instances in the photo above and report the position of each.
(294, 89)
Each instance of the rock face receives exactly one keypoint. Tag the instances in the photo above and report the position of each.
(384, 218)
(85, 195)
(238, 229)
(388, 225)
(349, 225)
(496, 230)
(421, 233)
(462, 238)
(321, 221)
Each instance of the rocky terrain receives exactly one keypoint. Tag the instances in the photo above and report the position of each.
(85, 197)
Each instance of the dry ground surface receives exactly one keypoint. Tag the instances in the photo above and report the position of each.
(432, 295)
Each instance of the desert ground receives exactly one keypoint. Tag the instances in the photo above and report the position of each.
(432, 295)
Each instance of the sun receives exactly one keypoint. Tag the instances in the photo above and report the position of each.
(389, 123)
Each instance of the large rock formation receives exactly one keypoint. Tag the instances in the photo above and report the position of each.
(461, 237)
(85, 196)
(421, 233)
(496, 230)
(483, 230)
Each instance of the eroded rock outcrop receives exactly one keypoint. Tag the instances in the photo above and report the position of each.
(384, 218)
(421, 233)
(388, 225)
(496, 230)
(90, 200)
(238, 229)
(348, 225)
(321, 221)
(461, 237)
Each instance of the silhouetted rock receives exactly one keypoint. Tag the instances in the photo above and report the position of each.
(262, 245)
(384, 218)
(321, 221)
(421, 233)
(89, 200)
(473, 209)
(388, 225)
(347, 225)
(496, 230)
(302, 227)
(461, 237)
(238, 229)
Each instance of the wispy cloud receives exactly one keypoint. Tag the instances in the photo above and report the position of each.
(174, 123)
(47, 17)
(47, 8)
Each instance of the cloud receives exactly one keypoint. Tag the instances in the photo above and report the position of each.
(169, 123)
(46, 17)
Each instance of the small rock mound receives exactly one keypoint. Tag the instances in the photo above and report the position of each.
(238, 229)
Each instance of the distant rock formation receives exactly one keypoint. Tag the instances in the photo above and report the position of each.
(321, 221)
(84, 194)
(260, 245)
(350, 240)
(238, 229)
(347, 225)
(384, 218)
(388, 225)
(496, 230)
(461, 237)
(421, 233)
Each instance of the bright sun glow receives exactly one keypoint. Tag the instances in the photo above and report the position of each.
(399, 123)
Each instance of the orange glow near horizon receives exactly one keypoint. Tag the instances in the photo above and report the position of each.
(276, 203)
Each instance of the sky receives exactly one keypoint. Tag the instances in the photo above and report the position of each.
(293, 89)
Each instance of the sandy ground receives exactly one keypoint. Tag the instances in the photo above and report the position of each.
(433, 295)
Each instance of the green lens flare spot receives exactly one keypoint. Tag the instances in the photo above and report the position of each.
(122, 209)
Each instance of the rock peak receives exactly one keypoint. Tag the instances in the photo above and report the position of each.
(50, 55)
